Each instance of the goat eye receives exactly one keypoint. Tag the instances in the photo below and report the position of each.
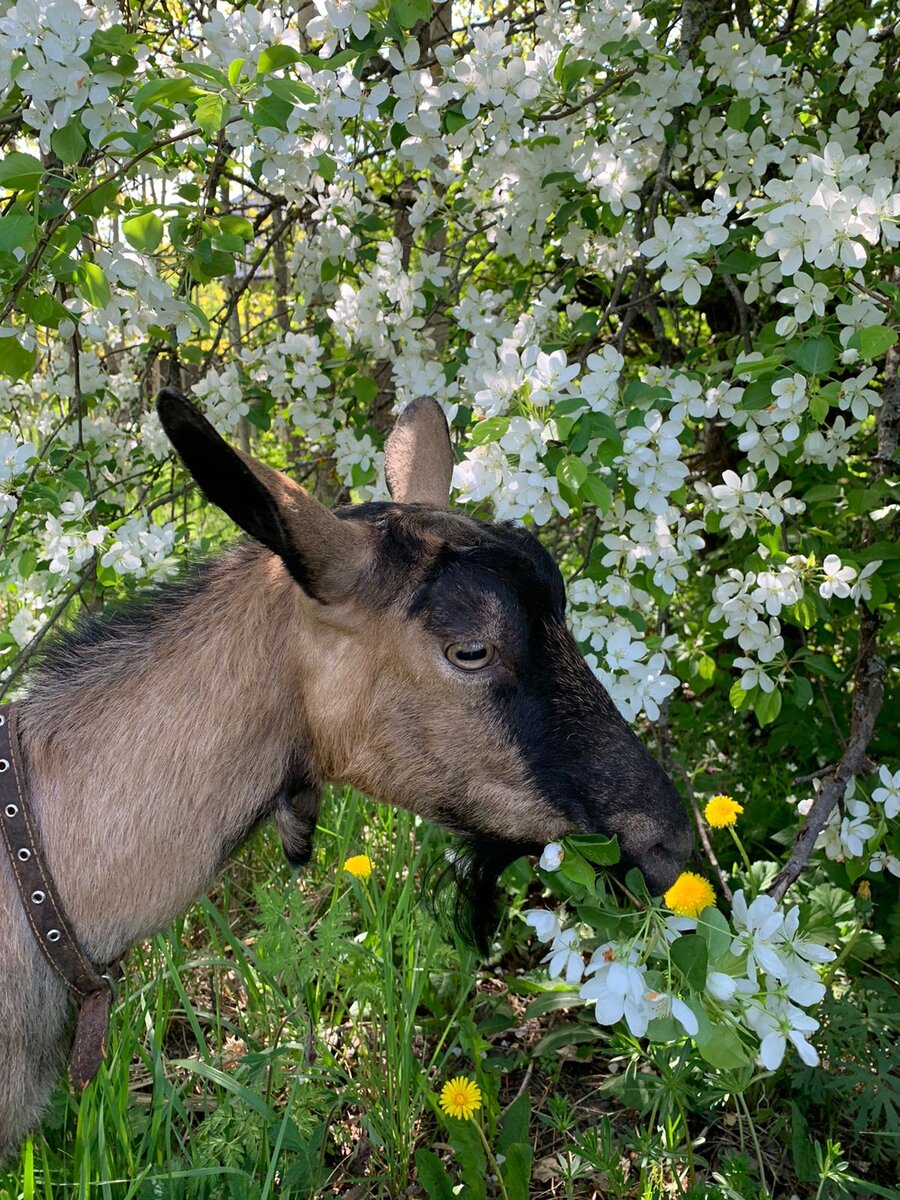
(470, 656)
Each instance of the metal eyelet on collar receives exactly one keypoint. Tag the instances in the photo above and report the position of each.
(12, 810)
(2, 720)
(53, 935)
(38, 897)
(4, 765)
(24, 855)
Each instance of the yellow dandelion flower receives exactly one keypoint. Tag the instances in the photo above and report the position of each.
(722, 811)
(460, 1097)
(689, 895)
(360, 866)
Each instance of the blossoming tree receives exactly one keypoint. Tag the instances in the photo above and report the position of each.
(645, 257)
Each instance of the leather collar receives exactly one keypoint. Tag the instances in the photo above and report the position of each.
(93, 986)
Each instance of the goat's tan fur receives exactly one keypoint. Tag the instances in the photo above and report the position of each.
(294, 661)
(144, 768)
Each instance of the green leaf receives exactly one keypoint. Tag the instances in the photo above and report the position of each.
(713, 927)
(144, 232)
(27, 566)
(819, 406)
(572, 472)
(516, 1170)
(16, 229)
(738, 114)
(292, 90)
(757, 366)
(604, 851)
(596, 491)
(97, 202)
(326, 167)
(234, 70)
(228, 1083)
(490, 430)
(874, 341)
(599, 425)
(804, 612)
(410, 12)
(210, 113)
(636, 883)
(454, 120)
(271, 112)
(433, 1176)
(20, 172)
(273, 58)
(365, 389)
(45, 310)
(757, 395)
(515, 1123)
(68, 143)
(737, 696)
(690, 954)
(577, 869)
(15, 361)
(209, 263)
(704, 671)
(824, 666)
(91, 284)
(803, 693)
(815, 356)
(237, 227)
(575, 71)
(166, 91)
(724, 1050)
(767, 706)
(467, 1145)
(230, 243)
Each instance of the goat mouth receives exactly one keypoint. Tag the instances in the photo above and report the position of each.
(658, 865)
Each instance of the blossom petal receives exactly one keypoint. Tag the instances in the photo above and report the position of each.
(771, 1051)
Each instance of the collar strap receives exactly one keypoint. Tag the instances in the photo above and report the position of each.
(43, 907)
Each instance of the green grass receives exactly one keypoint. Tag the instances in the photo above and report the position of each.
(288, 1036)
(283, 1035)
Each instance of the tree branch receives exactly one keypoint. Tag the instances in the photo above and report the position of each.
(867, 699)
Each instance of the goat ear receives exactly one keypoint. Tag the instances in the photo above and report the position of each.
(418, 457)
(318, 549)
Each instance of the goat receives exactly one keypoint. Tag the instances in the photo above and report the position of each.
(401, 647)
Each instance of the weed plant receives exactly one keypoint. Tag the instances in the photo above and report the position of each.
(289, 1035)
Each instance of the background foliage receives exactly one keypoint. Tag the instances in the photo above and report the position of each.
(647, 260)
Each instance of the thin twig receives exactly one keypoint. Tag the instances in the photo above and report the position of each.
(31, 646)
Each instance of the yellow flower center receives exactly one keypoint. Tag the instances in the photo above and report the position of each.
(360, 866)
(722, 811)
(460, 1097)
(689, 895)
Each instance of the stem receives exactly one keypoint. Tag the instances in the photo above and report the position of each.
(740, 846)
(492, 1160)
(759, 1158)
(845, 953)
(703, 833)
